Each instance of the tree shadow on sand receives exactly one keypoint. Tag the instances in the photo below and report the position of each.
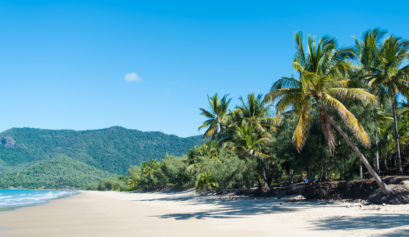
(231, 209)
(378, 221)
(398, 233)
(222, 208)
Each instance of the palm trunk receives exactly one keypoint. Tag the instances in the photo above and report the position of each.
(375, 118)
(265, 178)
(258, 181)
(384, 187)
(264, 173)
(361, 173)
(395, 121)
(345, 167)
(251, 154)
(385, 162)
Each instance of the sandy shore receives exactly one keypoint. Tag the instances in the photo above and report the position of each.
(186, 214)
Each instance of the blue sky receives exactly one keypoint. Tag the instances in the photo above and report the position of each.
(64, 63)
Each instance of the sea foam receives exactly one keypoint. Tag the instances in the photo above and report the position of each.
(20, 198)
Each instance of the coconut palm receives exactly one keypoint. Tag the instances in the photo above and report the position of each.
(249, 143)
(390, 78)
(133, 176)
(367, 60)
(215, 118)
(256, 113)
(322, 79)
(205, 182)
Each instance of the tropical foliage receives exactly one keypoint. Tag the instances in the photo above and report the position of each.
(215, 122)
(340, 100)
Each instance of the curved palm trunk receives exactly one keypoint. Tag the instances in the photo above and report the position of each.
(375, 118)
(384, 187)
(395, 122)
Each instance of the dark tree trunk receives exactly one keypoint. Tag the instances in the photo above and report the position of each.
(309, 174)
(264, 174)
(375, 119)
(345, 167)
(361, 174)
(290, 179)
(326, 169)
(395, 122)
(384, 187)
(259, 184)
(385, 162)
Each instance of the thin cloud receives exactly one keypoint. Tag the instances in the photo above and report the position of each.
(132, 77)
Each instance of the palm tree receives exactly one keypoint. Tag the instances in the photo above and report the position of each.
(256, 113)
(133, 176)
(153, 177)
(322, 78)
(249, 127)
(205, 182)
(248, 143)
(215, 119)
(390, 78)
(209, 149)
(367, 60)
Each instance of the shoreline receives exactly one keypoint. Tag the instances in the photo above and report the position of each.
(94, 213)
(45, 201)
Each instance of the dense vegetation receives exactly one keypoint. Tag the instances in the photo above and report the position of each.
(113, 149)
(34, 158)
(345, 109)
(58, 172)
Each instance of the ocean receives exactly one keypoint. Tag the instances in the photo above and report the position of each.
(10, 199)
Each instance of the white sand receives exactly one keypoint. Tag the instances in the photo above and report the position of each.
(186, 214)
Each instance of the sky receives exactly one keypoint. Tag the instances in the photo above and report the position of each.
(149, 65)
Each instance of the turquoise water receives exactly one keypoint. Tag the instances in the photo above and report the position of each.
(10, 199)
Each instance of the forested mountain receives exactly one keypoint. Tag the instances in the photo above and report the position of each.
(112, 149)
(58, 172)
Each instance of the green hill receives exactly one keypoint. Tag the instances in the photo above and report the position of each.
(113, 149)
(58, 172)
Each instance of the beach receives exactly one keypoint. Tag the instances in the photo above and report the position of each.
(93, 213)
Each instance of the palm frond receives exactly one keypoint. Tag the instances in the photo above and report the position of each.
(348, 118)
(207, 113)
(300, 134)
(354, 93)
